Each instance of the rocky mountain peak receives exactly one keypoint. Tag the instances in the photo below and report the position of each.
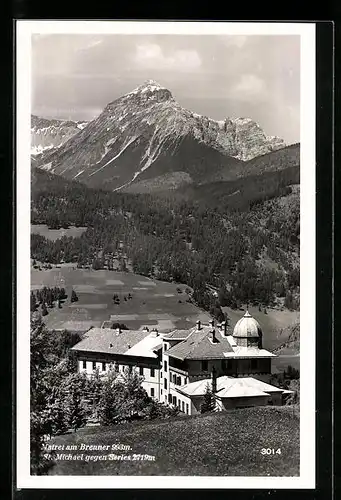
(150, 91)
(146, 133)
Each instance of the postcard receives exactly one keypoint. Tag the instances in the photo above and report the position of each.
(166, 254)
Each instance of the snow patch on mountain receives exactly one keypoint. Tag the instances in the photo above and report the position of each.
(79, 173)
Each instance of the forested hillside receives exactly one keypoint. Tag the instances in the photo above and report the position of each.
(247, 250)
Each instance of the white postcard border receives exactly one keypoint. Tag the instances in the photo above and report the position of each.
(24, 30)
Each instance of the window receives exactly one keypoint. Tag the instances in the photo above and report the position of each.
(161, 392)
(178, 380)
(141, 370)
(174, 379)
(165, 347)
(204, 366)
(165, 383)
(254, 364)
(94, 365)
(152, 392)
(179, 404)
(174, 400)
(187, 409)
(84, 364)
(165, 365)
(169, 398)
(183, 407)
(103, 367)
(152, 372)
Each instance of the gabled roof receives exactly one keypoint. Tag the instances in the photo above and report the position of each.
(176, 335)
(230, 387)
(146, 347)
(108, 341)
(199, 345)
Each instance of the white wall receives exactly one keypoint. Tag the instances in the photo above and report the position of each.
(148, 383)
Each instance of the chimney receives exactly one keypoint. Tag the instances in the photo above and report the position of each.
(118, 331)
(145, 329)
(214, 338)
(198, 324)
(154, 332)
(214, 380)
(224, 328)
(211, 323)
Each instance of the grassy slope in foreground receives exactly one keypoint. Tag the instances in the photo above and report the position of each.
(221, 444)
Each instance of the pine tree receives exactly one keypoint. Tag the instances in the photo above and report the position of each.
(75, 411)
(108, 407)
(94, 388)
(209, 403)
(44, 311)
(33, 305)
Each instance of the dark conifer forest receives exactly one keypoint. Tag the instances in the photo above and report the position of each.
(239, 238)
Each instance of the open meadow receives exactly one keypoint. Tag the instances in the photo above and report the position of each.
(222, 444)
(54, 234)
(154, 303)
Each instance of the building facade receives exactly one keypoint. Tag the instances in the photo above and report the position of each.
(178, 366)
(140, 350)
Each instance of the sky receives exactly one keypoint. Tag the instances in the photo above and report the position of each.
(219, 76)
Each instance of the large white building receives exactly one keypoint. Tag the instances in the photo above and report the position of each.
(178, 366)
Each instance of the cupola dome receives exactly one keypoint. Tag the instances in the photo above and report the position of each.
(247, 332)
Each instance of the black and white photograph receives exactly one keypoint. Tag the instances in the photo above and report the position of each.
(166, 235)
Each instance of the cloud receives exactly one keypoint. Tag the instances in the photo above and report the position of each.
(249, 85)
(151, 55)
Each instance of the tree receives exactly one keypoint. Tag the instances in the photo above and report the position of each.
(34, 304)
(217, 313)
(74, 297)
(108, 407)
(39, 374)
(209, 402)
(289, 300)
(75, 411)
(97, 264)
(292, 373)
(122, 326)
(44, 310)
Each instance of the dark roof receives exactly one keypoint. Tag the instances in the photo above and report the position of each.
(176, 335)
(99, 340)
(198, 345)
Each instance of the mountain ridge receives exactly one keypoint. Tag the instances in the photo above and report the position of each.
(50, 133)
(146, 132)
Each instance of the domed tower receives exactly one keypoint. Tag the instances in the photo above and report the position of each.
(247, 332)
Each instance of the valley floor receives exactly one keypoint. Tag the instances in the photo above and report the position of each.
(154, 303)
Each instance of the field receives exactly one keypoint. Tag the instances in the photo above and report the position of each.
(222, 444)
(54, 234)
(153, 303)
